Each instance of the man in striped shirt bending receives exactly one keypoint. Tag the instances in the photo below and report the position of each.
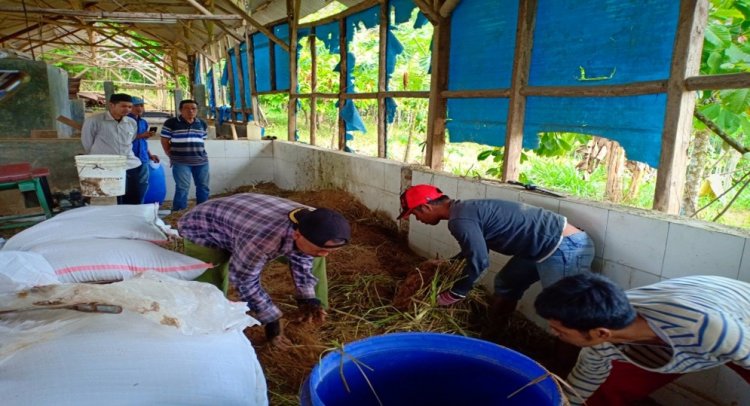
(183, 140)
(637, 341)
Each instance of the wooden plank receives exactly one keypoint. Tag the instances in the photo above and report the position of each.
(292, 7)
(519, 79)
(313, 86)
(250, 49)
(230, 79)
(382, 80)
(435, 148)
(719, 82)
(257, 25)
(342, 81)
(447, 8)
(109, 15)
(632, 89)
(241, 79)
(69, 122)
(678, 121)
(272, 65)
(472, 94)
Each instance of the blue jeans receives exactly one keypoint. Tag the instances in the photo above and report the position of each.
(182, 175)
(573, 256)
(136, 183)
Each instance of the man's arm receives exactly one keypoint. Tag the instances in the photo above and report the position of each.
(469, 236)
(244, 273)
(166, 136)
(88, 133)
(727, 338)
(590, 372)
(304, 281)
(166, 144)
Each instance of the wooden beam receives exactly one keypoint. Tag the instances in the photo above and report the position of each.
(428, 12)
(258, 25)
(382, 79)
(27, 29)
(719, 82)
(292, 10)
(475, 94)
(519, 79)
(51, 41)
(230, 77)
(447, 8)
(437, 110)
(336, 17)
(678, 121)
(207, 13)
(109, 15)
(632, 89)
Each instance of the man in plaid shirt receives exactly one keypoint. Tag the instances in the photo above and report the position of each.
(246, 231)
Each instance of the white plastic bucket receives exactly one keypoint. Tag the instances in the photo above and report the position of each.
(101, 175)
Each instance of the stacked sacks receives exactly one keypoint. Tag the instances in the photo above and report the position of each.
(106, 243)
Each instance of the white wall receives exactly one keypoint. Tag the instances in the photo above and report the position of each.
(231, 164)
(633, 247)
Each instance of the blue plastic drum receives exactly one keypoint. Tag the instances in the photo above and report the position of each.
(427, 369)
(157, 184)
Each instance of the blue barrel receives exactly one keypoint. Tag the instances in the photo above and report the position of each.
(427, 369)
(157, 184)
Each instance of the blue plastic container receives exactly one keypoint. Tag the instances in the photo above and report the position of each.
(157, 184)
(427, 369)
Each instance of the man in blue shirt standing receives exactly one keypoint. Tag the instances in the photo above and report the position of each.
(140, 149)
(543, 245)
(183, 139)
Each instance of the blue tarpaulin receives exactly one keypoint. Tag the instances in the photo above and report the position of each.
(262, 57)
(620, 44)
(236, 97)
(281, 57)
(210, 92)
(245, 78)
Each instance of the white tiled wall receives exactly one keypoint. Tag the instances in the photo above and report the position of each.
(633, 247)
(231, 164)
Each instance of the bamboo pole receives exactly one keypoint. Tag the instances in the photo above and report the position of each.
(313, 87)
(257, 25)
(125, 17)
(678, 121)
(342, 81)
(428, 12)
(382, 80)
(437, 112)
(519, 79)
(207, 13)
(293, 7)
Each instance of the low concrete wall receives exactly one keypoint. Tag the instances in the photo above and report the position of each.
(58, 155)
(634, 247)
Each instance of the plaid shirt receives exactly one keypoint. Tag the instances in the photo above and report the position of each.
(256, 229)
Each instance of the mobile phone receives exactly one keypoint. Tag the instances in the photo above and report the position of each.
(152, 129)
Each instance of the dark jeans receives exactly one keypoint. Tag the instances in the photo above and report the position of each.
(136, 184)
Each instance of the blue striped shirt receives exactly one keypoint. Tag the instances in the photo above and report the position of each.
(256, 229)
(187, 140)
(704, 321)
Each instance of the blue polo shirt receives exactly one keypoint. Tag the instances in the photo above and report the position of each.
(140, 145)
(187, 140)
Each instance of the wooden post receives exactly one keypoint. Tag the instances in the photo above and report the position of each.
(519, 80)
(292, 9)
(313, 86)
(240, 80)
(230, 77)
(342, 81)
(250, 49)
(272, 64)
(678, 121)
(382, 80)
(435, 149)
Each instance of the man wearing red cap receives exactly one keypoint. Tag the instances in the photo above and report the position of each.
(243, 232)
(543, 245)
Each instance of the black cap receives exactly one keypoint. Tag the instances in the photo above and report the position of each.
(320, 226)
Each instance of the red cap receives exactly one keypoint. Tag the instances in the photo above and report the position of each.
(416, 196)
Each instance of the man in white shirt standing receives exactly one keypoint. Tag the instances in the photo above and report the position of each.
(637, 341)
(112, 133)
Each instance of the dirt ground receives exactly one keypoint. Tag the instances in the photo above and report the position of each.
(376, 286)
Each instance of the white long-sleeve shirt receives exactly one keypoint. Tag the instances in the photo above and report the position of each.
(102, 134)
(704, 321)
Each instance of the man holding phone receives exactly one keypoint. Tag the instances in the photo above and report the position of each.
(140, 149)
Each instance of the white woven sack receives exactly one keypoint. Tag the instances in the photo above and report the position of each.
(21, 270)
(137, 222)
(93, 260)
(124, 359)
